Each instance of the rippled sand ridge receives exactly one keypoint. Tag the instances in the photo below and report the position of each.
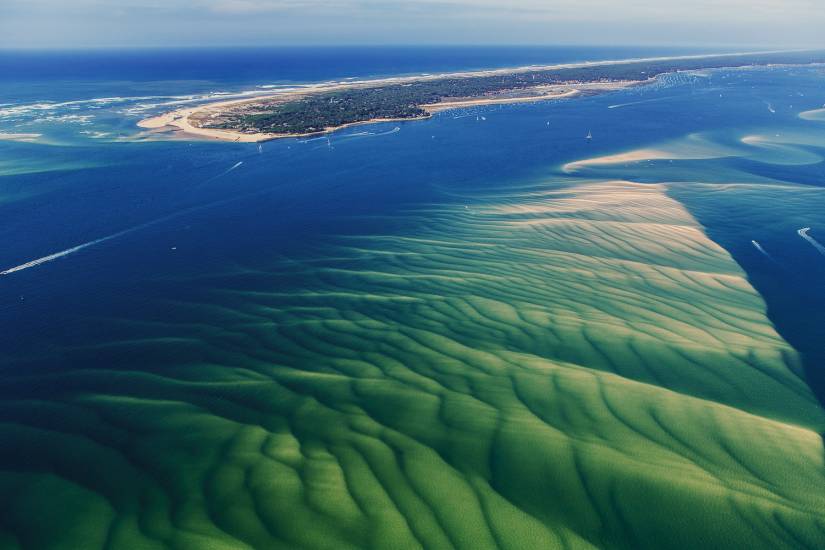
(545, 366)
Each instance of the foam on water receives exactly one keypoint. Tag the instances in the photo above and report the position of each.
(63, 253)
(761, 250)
(78, 248)
(804, 234)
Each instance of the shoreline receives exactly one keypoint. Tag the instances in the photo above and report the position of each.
(177, 123)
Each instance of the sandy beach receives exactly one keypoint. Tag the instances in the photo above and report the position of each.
(184, 122)
(179, 122)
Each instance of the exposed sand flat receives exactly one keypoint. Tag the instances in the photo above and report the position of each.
(816, 114)
(549, 367)
(691, 147)
(179, 120)
(619, 158)
(19, 137)
(787, 148)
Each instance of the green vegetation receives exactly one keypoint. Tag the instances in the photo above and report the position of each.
(316, 112)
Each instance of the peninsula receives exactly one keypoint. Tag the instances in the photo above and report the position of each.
(306, 111)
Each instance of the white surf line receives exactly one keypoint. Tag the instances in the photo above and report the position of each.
(539, 67)
(72, 250)
(804, 234)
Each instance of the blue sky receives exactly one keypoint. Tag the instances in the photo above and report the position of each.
(71, 23)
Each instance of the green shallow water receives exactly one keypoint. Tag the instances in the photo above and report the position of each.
(534, 370)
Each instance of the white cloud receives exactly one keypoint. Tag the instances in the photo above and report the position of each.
(697, 22)
(565, 9)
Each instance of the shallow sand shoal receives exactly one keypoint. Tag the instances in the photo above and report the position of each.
(19, 137)
(815, 114)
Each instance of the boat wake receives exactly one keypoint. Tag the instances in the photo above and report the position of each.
(804, 234)
(64, 253)
(643, 101)
(222, 174)
(388, 132)
(764, 252)
(368, 134)
(101, 240)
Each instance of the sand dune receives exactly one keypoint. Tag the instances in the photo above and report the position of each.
(691, 147)
(787, 148)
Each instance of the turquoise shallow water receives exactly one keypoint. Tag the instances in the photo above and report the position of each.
(340, 344)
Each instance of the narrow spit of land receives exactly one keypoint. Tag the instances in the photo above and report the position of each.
(328, 107)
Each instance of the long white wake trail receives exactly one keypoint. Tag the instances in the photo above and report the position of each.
(225, 172)
(804, 234)
(222, 174)
(78, 248)
(63, 253)
(641, 102)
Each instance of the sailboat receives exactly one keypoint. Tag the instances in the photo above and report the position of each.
(589, 135)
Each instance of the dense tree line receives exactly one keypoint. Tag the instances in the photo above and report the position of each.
(314, 113)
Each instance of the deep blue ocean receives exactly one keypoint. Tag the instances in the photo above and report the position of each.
(57, 75)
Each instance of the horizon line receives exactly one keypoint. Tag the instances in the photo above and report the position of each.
(751, 48)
